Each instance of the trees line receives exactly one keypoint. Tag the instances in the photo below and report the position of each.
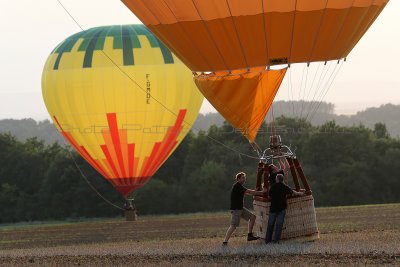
(45, 130)
(344, 165)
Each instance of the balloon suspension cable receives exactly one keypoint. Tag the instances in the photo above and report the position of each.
(89, 183)
(317, 92)
(328, 87)
(156, 100)
(310, 90)
(151, 96)
(304, 94)
(290, 90)
(256, 148)
(273, 130)
(324, 90)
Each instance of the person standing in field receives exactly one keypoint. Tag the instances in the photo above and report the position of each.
(278, 194)
(238, 211)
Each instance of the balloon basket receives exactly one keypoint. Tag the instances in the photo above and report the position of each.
(130, 210)
(130, 215)
(300, 220)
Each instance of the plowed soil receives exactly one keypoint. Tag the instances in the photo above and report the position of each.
(349, 236)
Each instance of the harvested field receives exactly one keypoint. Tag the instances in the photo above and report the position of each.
(350, 236)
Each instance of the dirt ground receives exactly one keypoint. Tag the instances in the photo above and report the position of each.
(349, 236)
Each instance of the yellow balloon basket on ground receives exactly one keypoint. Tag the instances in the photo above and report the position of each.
(121, 99)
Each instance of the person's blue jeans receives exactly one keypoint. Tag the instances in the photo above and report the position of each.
(275, 219)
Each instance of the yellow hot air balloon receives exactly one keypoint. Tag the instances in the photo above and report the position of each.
(121, 99)
(236, 40)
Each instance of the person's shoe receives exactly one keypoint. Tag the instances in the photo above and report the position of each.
(251, 237)
(224, 243)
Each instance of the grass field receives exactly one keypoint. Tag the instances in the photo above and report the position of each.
(350, 236)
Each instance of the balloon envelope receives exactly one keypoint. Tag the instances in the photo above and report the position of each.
(215, 35)
(230, 35)
(121, 99)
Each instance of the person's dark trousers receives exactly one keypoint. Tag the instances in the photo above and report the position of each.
(275, 219)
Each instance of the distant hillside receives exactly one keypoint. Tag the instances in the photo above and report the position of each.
(317, 113)
(28, 128)
(388, 114)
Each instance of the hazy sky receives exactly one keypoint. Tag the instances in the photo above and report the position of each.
(31, 29)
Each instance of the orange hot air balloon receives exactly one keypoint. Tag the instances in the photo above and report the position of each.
(237, 40)
(121, 99)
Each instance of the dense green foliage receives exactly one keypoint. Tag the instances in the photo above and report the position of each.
(345, 165)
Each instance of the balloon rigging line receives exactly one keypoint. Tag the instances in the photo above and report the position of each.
(155, 99)
(236, 151)
(207, 62)
(310, 102)
(70, 153)
(330, 86)
(321, 79)
(159, 102)
(301, 83)
(321, 94)
(209, 33)
(290, 53)
(337, 36)
(291, 89)
(318, 85)
(256, 149)
(237, 34)
(183, 30)
(323, 91)
(88, 182)
(312, 85)
(273, 121)
(316, 93)
(319, 30)
(292, 38)
(327, 81)
(70, 15)
(304, 94)
(299, 97)
(294, 19)
(265, 31)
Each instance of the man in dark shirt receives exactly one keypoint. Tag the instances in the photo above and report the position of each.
(273, 172)
(277, 211)
(237, 209)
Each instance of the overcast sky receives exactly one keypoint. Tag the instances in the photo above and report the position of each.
(31, 29)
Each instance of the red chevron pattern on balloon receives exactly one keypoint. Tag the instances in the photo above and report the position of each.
(119, 165)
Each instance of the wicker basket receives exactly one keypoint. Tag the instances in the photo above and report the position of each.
(300, 220)
(130, 215)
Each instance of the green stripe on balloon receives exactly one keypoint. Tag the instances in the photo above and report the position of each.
(168, 59)
(134, 36)
(87, 38)
(127, 47)
(87, 60)
(124, 37)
